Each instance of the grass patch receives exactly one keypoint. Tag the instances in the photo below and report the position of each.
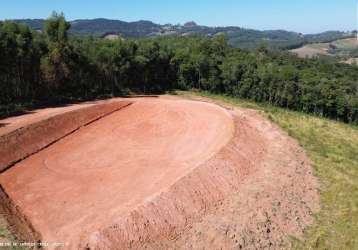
(333, 148)
(346, 44)
(7, 237)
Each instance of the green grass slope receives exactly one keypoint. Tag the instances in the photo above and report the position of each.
(333, 149)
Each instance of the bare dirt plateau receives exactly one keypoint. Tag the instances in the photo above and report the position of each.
(162, 174)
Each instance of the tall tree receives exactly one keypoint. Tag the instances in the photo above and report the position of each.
(57, 65)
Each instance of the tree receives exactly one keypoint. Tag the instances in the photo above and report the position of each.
(57, 65)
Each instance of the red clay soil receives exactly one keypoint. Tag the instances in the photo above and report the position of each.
(27, 140)
(13, 123)
(165, 174)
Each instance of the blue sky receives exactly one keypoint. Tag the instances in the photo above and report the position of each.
(306, 16)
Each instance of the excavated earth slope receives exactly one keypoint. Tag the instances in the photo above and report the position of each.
(164, 174)
(18, 141)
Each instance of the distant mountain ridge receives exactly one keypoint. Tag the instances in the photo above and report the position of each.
(239, 37)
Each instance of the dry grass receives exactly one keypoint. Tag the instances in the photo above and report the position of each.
(310, 51)
(343, 48)
(346, 44)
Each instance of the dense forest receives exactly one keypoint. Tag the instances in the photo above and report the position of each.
(50, 67)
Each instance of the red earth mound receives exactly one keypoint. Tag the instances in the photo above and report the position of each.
(164, 174)
(91, 178)
(24, 141)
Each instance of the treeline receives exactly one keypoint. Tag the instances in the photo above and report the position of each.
(51, 67)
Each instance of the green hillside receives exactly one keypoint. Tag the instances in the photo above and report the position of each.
(237, 36)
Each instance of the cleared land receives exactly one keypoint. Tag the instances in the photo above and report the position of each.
(311, 50)
(352, 61)
(341, 48)
(165, 174)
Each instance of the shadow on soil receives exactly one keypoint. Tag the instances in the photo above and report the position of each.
(140, 96)
(13, 110)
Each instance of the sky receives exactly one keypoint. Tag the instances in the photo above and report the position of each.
(305, 16)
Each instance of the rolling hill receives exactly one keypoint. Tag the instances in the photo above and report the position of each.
(345, 50)
(238, 37)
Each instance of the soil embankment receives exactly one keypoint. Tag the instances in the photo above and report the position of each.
(29, 139)
(163, 174)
